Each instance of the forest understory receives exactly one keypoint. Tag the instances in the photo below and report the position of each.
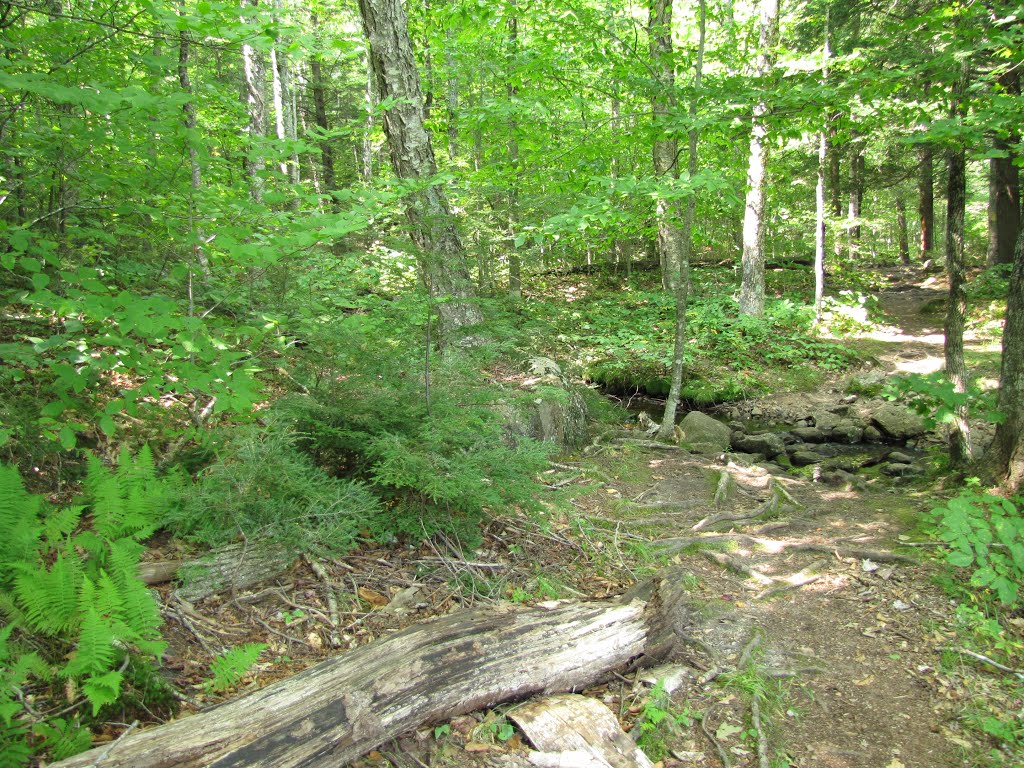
(821, 604)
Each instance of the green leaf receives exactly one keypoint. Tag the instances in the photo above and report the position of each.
(960, 559)
(68, 440)
(107, 425)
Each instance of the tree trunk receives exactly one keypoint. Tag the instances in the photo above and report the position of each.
(340, 709)
(441, 256)
(1003, 204)
(665, 150)
(668, 421)
(901, 227)
(515, 269)
(1006, 457)
(960, 451)
(320, 111)
(819, 190)
(254, 96)
(856, 198)
(752, 285)
(196, 180)
(926, 201)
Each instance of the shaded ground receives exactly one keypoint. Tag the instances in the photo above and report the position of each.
(823, 606)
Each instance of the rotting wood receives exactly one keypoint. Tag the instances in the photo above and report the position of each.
(234, 567)
(338, 710)
(578, 724)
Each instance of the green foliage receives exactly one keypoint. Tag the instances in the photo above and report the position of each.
(261, 486)
(438, 466)
(936, 399)
(992, 283)
(659, 722)
(69, 589)
(229, 668)
(984, 533)
(627, 339)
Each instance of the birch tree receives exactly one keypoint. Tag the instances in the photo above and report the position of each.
(752, 287)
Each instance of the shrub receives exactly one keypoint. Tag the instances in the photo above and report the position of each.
(262, 486)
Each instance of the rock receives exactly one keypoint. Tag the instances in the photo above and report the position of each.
(872, 435)
(768, 443)
(897, 422)
(824, 420)
(896, 457)
(840, 410)
(805, 458)
(560, 419)
(901, 470)
(554, 411)
(848, 431)
(849, 399)
(700, 429)
(838, 477)
(841, 465)
(808, 434)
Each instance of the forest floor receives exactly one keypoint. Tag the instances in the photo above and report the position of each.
(827, 610)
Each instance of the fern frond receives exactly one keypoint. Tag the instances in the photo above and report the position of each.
(103, 689)
(48, 597)
(95, 652)
(59, 524)
(19, 520)
(229, 668)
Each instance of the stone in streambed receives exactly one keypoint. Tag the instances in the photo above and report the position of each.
(703, 432)
(769, 444)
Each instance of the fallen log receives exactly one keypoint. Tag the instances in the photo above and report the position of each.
(340, 709)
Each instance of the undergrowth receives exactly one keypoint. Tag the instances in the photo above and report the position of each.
(77, 616)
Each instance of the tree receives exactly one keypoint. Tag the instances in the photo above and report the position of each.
(666, 147)
(432, 226)
(960, 449)
(1006, 455)
(686, 241)
(752, 287)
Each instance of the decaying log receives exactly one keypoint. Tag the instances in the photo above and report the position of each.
(338, 710)
(234, 567)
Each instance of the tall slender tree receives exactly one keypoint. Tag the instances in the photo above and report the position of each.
(752, 286)
(686, 240)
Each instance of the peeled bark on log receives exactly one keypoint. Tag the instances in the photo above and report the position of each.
(234, 567)
(340, 709)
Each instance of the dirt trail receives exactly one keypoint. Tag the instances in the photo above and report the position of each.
(850, 617)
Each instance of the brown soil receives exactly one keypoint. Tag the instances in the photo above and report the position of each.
(846, 642)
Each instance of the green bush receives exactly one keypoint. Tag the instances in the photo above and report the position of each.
(985, 534)
(441, 464)
(262, 486)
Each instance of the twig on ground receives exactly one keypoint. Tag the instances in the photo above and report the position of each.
(112, 745)
(783, 588)
(762, 739)
(986, 660)
(725, 483)
(737, 567)
(332, 599)
(287, 637)
(722, 754)
(651, 444)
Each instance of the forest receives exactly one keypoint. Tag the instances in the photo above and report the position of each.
(688, 337)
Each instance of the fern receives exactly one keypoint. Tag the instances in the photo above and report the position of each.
(19, 521)
(48, 597)
(80, 590)
(95, 653)
(229, 668)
